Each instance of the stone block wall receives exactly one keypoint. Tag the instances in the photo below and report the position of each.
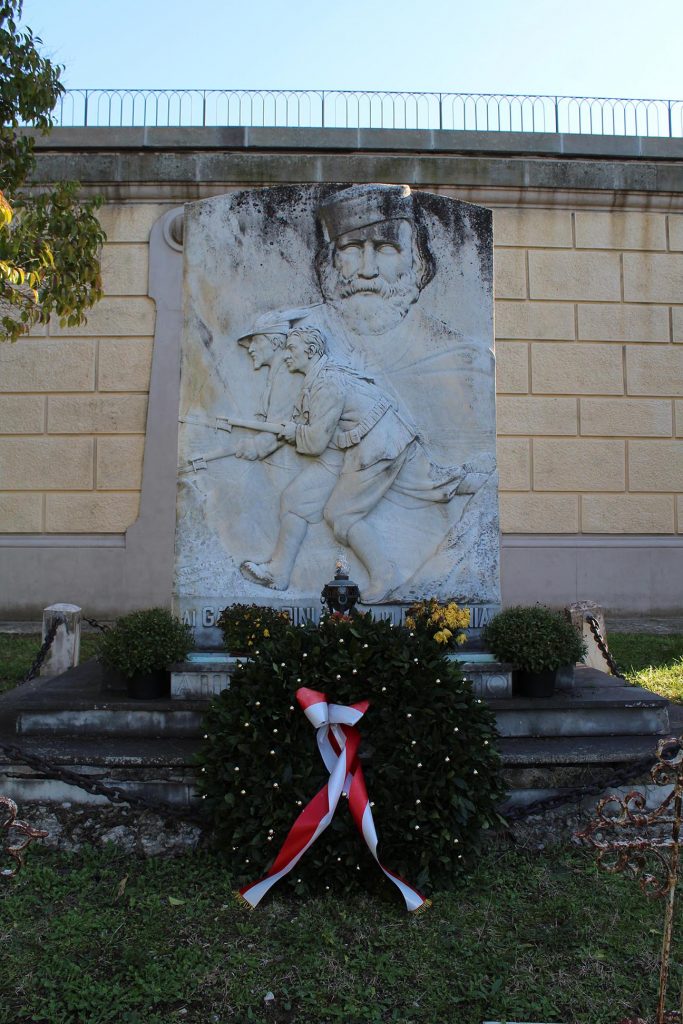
(589, 344)
(73, 401)
(590, 367)
(588, 236)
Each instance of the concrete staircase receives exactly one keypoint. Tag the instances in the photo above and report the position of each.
(585, 732)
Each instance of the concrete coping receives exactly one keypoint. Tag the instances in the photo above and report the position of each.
(359, 139)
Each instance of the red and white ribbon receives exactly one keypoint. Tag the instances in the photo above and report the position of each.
(338, 742)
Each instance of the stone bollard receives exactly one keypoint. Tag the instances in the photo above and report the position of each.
(66, 646)
(577, 613)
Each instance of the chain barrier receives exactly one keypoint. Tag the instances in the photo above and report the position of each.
(95, 624)
(47, 643)
(42, 654)
(627, 776)
(90, 785)
(602, 645)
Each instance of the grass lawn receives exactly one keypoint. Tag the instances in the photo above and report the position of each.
(17, 651)
(651, 660)
(100, 936)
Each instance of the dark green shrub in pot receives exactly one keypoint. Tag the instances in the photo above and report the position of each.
(142, 645)
(537, 641)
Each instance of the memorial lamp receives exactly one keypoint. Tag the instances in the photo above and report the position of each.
(340, 594)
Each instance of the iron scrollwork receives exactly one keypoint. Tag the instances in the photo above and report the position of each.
(17, 835)
(644, 843)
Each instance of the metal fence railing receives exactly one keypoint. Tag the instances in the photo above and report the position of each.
(319, 108)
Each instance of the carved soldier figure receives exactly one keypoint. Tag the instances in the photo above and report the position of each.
(362, 447)
(265, 343)
(366, 412)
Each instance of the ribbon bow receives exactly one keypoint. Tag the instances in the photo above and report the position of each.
(338, 742)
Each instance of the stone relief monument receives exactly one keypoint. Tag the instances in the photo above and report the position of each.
(337, 399)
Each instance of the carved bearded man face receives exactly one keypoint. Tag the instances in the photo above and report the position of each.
(372, 275)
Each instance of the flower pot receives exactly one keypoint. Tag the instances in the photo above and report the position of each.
(535, 684)
(151, 686)
(566, 677)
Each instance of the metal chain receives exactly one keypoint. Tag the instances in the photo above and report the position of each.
(14, 754)
(42, 654)
(627, 775)
(95, 624)
(602, 645)
(47, 643)
(91, 785)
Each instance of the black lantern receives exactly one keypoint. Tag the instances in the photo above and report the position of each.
(341, 593)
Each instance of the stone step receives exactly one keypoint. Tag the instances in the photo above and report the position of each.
(538, 718)
(162, 769)
(111, 721)
(76, 704)
(159, 770)
(596, 705)
(614, 720)
(108, 751)
(560, 751)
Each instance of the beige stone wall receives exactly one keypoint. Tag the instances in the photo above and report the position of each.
(589, 329)
(73, 401)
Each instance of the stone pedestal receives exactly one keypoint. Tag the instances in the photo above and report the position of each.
(337, 396)
(490, 679)
(206, 673)
(66, 646)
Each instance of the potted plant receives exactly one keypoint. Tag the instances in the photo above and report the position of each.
(141, 646)
(443, 623)
(538, 641)
(244, 626)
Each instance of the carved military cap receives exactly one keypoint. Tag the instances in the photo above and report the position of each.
(277, 321)
(363, 205)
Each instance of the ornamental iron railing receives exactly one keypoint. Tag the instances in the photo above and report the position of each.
(320, 108)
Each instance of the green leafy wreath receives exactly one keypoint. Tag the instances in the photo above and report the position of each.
(428, 752)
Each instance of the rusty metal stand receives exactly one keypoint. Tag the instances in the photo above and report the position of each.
(649, 849)
(10, 823)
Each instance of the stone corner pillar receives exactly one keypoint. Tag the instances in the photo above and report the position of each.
(65, 649)
(577, 613)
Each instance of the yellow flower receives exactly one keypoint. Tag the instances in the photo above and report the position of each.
(410, 622)
(266, 632)
(443, 636)
(460, 638)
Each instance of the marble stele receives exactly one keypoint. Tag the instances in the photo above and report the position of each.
(337, 397)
